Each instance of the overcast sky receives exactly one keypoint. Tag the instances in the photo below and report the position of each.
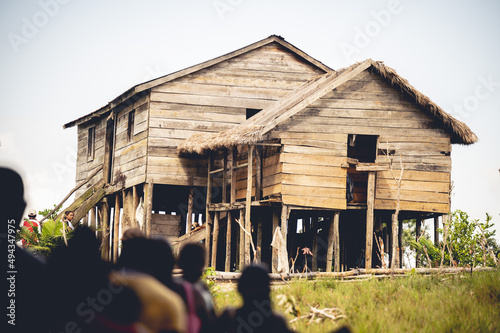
(62, 59)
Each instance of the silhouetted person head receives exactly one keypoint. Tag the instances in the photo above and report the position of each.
(192, 261)
(13, 203)
(132, 233)
(150, 256)
(254, 284)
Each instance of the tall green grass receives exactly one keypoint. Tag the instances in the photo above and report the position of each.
(437, 303)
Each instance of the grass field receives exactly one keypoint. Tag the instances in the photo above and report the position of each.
(445, 303)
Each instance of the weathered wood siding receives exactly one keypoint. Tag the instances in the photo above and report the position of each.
(130, 157)
(367, 105)
(311, 168)
(84, 166)
(212, 100)
(165, 225)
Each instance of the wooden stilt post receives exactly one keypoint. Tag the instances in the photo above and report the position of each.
(436, 231)
(242, 240)
(331, 241)
(189, 214)
(135, 203)
(369, 218)
(400, 242)
(285, 211)
(208, 218)
(215, 239)
(394, 241)
(224, 178)
(258, 173)
(148, 208)
(292, 232)
(227, 266)
(336, 241)
(418, 230)
(259, 239)
(104, 210)
(314, 228)
(116, 227)
(276, 220)
(248, 204)
(93, 218)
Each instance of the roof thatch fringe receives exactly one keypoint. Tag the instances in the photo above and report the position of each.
(201, 143)
(462, 131)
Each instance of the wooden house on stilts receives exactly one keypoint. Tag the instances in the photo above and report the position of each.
(266, 137)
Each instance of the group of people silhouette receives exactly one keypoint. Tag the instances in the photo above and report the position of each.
(75, 290)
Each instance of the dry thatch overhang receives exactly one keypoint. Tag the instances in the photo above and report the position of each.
(254, 129)
(133, 94)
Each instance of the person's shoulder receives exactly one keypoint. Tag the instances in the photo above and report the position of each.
(280, 324)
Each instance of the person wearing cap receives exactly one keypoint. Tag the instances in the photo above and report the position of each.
(31, 224)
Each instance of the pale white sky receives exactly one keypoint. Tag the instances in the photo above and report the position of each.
(62, 59)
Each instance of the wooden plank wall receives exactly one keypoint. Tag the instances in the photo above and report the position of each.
(165, 225)
(311, 166)
(84, 167)
(212, 100)
(367, 105)
(130, 157)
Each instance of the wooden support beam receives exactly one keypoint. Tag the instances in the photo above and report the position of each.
(224, 178)
(258, 173)
(148, 208)
(242, 240)
(208, 218)
(248, 208)
(215, 239)
(93, 218)
(104, 212)
(336, 241)
(259, 239)
(274, 255)
(400, 242)
(227, 266)
(394, 241)
(285, 212)
(418, 231)
(370, 200)
(135, 203)
(331, 241)
(128, 208)
(314, 228)
(436, 231)
(116, 226)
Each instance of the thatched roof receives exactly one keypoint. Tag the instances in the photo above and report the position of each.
(254, 129)
(133, 94)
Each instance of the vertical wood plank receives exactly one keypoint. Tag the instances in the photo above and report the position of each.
(274, 255)
(436, 231)
(224, 178)
(331, 240)
(258, 173)
(189, 216)
(418, 231)
(208, 218)
(314, 229)
(116, 227)
(259, 239)
(148, 208)
(394, 241)
(369, 218)
(400, 243)
(227, 266)
(242, 239)
(336, 241)
(135, 204)
(284, 225)
(234, 160)
(248, 205)
(93, 218)
(105, 228)
(215, 239)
